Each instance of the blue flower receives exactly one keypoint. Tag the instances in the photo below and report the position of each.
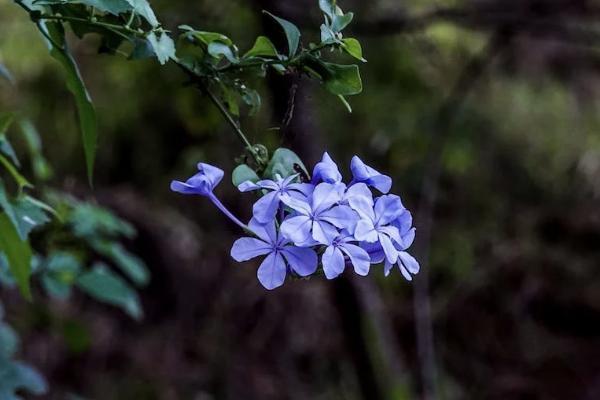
(333, 259)
(326, 171)
(406, 263)
(318, 217)
(375, 223)
(265, 209)
(363, 173)
(273, 269)
(203, 183)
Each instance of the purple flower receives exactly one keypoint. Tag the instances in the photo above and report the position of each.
(318, 217)
(363, 173)
(265, 209)
(279, 251)
(375, 223)
(333, 259)
(326, 171)
(203, 184)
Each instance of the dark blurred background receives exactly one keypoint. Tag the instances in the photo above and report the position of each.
(485, 115)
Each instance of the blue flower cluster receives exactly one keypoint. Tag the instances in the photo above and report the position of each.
(295, 223)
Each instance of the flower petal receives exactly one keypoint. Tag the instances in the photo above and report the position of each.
(248, 186)
(391, 254)
(363, 173)
(296, 204)
(374, 250)
(326, 171)
(186, 188)
(247, 248)
(266, 232)
(405, 272)
(303, 261)
(358, 257)
(387, 267)
(297, 229)
(333, 262)
(265, 208)
(387, 208)
(325, 196)
(365, 231)
(340, 216)
(363, 205)
(323, 232)
(411, 264)
(408, 239)
(212, 173)
(271, 272)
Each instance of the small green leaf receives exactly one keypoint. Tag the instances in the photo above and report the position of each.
(342, 79)
(341, 21)
(284, 163)
(243, 173)
(60, 275)
(218, 50)
(106, 286)
(87, 114)
(353, 47)
(142, 49)
(327, 35)
(142, 8)
(292, 33)
(330, 8)
(41, 168)
(230, 98)
(163, 47)
(18, 254)
(20, 179)
(252, 98)
(131, 265)
(16, 376)
(28, 216)
(205, 37)
(89, 222)
(114, 7)
(263, 47)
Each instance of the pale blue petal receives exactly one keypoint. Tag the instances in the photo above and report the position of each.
(374, 250)
(265, 208)
(247, 248)
(213, 174)
(383, 183)
(358, 190)
(303, 261)
(303, 189)
(408, 239)
(323, 232)
(403, 222)
(340, 216)
(358, 257)
(363, 205)
(186, 188)
(266, 232)
(268, 184)
(326, 171)
(365, 231)
(297, 229)
(405, 272)
(392, 232)
(325, 196)
(363, 173)
(411, 264)
(391, 254)
(296, 204)
(248, 186)
(271, 272)
(387, 267)
(333, 262)
(387, 209)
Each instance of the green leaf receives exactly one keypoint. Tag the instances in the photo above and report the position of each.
(163, 47)
(327, 35)
(243, 173)
(20, 179)
(292, 33)
(18, 254)
(16, 377)
(353, 47)
(107, 287)
(330, 8)
(263, 47)
(284, 163)
(342, 79)
(252, 98)
(142, 8)
(131, 265)
(9, 341)
(230, 98)
(114, 7)
(341, 21)
(41, 168)
(89, 222)
(218, 50)
(142, 49)
(28, 216)
(205, 37)
(87, 114)
(5, 73)
(60, 274)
